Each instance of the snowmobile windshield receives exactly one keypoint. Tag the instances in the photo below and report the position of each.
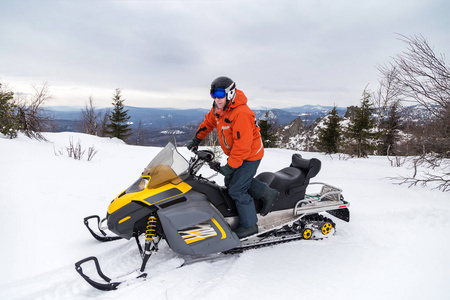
(167, 165)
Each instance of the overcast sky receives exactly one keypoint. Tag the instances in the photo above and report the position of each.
(166, 53)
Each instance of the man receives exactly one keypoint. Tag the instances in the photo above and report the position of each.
(241, 141)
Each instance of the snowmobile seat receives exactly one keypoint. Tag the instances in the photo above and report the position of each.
(292, 181)
(309, 167)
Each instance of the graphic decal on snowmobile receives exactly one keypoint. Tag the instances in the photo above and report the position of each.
(202, 231)
(124, 219)
(197, 217)
(197, 233)
(224, 235)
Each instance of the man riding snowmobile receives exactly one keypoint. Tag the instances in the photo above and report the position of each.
(241, 141)
(171, 201)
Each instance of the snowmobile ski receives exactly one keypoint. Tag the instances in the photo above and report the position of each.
(108, 284)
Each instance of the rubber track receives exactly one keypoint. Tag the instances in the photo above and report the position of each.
(263, 245)
(258, 246)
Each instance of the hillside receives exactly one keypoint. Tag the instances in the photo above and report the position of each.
(157, 118)
(392, 248)
(159, 125)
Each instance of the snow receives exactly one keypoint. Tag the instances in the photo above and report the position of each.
(172, 132)
(394, 247)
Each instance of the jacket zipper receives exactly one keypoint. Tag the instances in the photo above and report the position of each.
(223, 136)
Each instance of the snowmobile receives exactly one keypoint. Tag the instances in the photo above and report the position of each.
(196, 216)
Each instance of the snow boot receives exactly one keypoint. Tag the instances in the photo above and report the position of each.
(269, 196)
(243, 232)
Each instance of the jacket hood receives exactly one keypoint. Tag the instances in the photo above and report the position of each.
(239, 99)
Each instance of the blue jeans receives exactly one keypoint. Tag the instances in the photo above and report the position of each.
(241, 187)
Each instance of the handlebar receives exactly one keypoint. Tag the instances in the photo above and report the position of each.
(203, 156)
(206, 155)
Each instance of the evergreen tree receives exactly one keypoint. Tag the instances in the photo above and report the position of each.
(390, 128)
(330, 134)
(118, 126)
(267, 132)
(361, 130)
(8, 119)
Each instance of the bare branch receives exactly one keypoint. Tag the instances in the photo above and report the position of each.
(423, 76)
(89, 118)
(428, 170)
(31, 115)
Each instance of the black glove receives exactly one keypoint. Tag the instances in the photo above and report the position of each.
(214, 165)
(226, 170)
(193, 144)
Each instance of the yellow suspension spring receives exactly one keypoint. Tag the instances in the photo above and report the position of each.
(151, 228)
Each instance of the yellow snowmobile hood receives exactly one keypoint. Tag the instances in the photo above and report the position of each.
(150, 191)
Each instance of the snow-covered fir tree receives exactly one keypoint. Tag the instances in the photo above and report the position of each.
(360, 133)
(8, 121)
(329, 136)
(118, 119)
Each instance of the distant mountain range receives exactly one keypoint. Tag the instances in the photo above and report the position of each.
(163, 118)
(159, 125)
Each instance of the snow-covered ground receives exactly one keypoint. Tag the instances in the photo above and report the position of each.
(394, 247)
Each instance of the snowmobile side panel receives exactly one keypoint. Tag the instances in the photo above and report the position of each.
(122, 221)
(217, 195)
(195, 227)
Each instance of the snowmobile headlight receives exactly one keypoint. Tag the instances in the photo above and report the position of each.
(143, 184)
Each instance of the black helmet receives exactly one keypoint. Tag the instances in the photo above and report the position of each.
(223, 85)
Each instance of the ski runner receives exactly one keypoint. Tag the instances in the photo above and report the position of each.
(241, 141)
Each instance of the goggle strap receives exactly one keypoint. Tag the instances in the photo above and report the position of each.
(227, 90)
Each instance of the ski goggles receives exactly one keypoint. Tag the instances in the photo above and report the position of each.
(218, 93)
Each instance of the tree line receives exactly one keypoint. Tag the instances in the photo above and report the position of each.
(26, 113)
(418, 77)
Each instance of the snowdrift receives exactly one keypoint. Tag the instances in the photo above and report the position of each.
(395, 246)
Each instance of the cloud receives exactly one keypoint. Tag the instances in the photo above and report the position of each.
(308, 52)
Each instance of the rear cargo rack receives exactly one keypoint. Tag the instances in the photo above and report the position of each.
(329, 199)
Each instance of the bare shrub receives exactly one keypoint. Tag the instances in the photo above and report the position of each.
(58, 152)
(212, 141)
(91, 152)
(31, 116)
(76, 151)
(423, 78)
(428, 170)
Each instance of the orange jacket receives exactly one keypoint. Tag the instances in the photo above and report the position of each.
(238, 133)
